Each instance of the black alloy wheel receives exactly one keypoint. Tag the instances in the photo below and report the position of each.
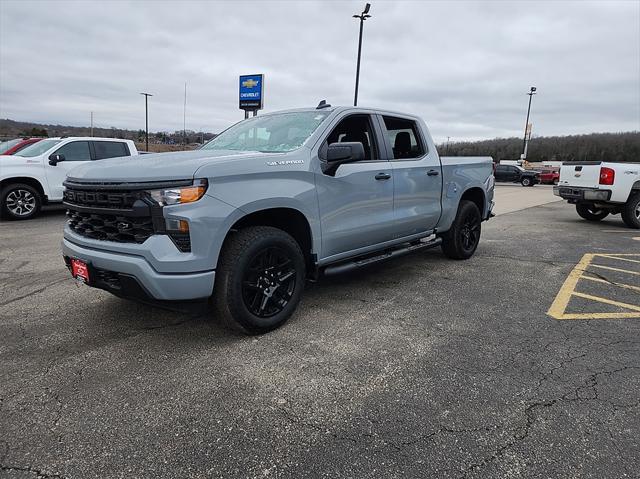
(470, 231)
(259, 279)
(269, 282)
(462, 239)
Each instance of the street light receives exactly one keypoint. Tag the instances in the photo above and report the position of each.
(146, 116)
(363, 16)
(532, 92)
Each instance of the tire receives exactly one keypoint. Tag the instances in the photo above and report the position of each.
(631, 211)
(19, 202)
(556, 181)
(462, 239)
(590, 213)
(259, 279)
(526, 181)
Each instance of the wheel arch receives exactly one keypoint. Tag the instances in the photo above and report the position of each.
(477, 195)
(27, 180)
(288, 219)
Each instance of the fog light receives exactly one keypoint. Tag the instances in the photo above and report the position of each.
(181, 226)
(178, 231)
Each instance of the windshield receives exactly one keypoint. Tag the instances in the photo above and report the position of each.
(269, 134)
(37, 148)
(7, 145)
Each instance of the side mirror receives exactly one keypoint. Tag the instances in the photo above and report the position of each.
(339, 153)
(55, 159)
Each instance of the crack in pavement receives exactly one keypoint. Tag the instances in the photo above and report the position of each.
(36, 291)
(38, 472)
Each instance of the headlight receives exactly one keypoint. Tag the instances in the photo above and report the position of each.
(179, 194)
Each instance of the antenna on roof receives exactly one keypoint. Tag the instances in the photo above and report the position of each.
(323, 104)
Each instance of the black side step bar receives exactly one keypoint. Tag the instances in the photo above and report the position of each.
(387, 254)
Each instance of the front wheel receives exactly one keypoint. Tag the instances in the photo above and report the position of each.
(526, 181)
(631, 211)
(19, 202)
(461, 241)
(590, 212)
(259, 279)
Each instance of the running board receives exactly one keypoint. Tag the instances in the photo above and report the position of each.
(386, 255)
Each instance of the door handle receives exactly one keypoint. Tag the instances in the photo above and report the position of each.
(383, 176)
(433, 173)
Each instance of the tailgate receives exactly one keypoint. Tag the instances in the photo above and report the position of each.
(585, 174)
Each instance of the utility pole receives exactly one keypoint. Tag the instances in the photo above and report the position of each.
(146, 116)
(184, 116)
(532, 91)
(447, 150)
(363, 16)
(92, 124)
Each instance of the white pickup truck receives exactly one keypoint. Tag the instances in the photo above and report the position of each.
(34, 176)
(599, 189)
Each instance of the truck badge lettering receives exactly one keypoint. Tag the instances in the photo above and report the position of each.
(285, 162)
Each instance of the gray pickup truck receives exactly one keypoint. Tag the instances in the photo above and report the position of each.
(271, 202)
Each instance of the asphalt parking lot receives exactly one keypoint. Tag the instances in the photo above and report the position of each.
(521, 362)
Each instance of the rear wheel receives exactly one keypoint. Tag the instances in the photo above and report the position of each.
(259, 280)
(590, 213)
(461, 241)
(631, 211)
(19, 202)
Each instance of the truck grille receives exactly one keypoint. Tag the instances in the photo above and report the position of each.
(123, 229)
(121, 212)
(101, 199)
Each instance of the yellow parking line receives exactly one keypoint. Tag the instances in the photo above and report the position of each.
(564, 295)
(620, 285)
(581, 271)
(599, 299)
(615, 269)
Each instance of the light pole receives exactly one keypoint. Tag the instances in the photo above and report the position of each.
(363, 16)
(532, 92)
(146, 116)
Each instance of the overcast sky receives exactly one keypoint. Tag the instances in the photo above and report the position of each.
(465, 67)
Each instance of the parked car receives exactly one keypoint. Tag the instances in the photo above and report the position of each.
(516, 174)
(11, 147)
(599, 189)
(34, 175)
(549, 177)
(270, 202)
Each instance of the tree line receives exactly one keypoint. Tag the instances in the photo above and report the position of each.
(16, 129)
(592, 147)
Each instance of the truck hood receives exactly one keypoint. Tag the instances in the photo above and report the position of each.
(165, 166)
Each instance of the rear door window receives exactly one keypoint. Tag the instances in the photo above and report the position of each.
(404, 138)
(109, 149)
(75, 151)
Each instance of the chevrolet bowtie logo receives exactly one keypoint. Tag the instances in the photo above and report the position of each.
(250, 83)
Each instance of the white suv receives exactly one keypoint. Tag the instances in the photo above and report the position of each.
(34, 176)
